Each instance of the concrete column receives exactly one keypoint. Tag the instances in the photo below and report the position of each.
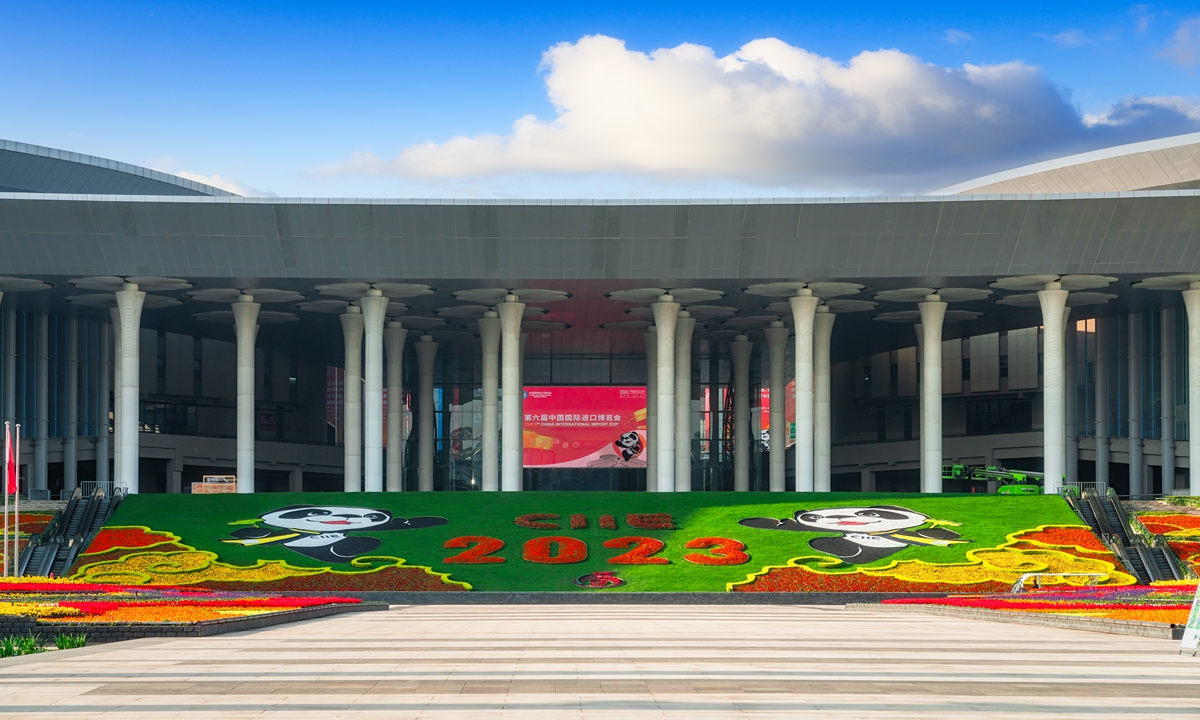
(933, 311)
(118, 428)
(1053, 300)
(71, 442)
(866, 480)
(102, 390)
(822, 426)
(1101, 428)
(426, 427)
(489, 339)
(1167, 370)
(296, 480)
(10, 365)
(175, 472)
(512, 451)
(651, 341)
(1071, 443)
(42, 402)
(740, 349)
(393, 340)
(245, 327)
(1191, 298)
(777, 336)
(804, 306)
(1137, 484)
(352, 333)
(666, 310)
(374, 311)
(129, 303)
(684, 326)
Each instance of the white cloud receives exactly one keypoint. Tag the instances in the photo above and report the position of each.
(958, 37)
(771, 115)
(1069, 38)
(1183, 48)
(226, 184)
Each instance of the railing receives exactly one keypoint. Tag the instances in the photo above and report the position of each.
(87, 487)
(1019, 585)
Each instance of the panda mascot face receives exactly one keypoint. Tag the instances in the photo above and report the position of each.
(628, 446)
(864, 534)
(327, 518)
(319, 531)
(860, 519)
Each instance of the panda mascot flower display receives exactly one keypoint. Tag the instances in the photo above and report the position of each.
(319, 532)
(865, 534)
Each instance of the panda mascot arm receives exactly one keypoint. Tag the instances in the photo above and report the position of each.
(400, 523)
(254, 533)
(774, 524)
(937, 533)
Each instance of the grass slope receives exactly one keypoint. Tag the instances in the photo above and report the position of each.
(204, 520)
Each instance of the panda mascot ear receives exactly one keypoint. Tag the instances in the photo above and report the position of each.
(285, 509)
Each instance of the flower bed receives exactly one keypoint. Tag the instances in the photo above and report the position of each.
(76, 602)
(1049, 548)
(1174, 525)
(1163, 602)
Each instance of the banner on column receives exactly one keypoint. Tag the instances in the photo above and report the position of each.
(789, 413)
(1191, 631)
(590, 426)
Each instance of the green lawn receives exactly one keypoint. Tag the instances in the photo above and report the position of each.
(203, 521)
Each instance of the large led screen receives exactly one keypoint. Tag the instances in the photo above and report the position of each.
(591, 426)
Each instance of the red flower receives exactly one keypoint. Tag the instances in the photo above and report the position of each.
(531, 521)
(650, 521)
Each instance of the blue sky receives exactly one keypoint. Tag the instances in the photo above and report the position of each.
(309, 99)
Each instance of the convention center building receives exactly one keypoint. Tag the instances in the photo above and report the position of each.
(157, 332)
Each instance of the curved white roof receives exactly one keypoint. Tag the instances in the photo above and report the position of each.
(1166, 164)
(37, 169)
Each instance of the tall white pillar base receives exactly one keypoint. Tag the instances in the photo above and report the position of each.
(71, 442)
(743, 446)
(426, 427)
(804, 307)
(1053, 301)
(1191, 298)
(489, 339)
(933, 311)
(684, 326)
(512, 430)
(129, 303)
(352, 333)
(822, 428)
(118, 428)
(777, 336)
(374, 312)
(245, 325)
(393, 340)
(666, 311)
(651, 340)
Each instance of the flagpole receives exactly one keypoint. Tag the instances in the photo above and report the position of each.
(6, 500)
(16, 459)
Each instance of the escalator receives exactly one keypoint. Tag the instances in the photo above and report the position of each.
(68, 534)
(1132, 559)
(1110, 505)
(1165, 564)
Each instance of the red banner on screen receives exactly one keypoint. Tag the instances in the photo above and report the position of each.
(599, 426)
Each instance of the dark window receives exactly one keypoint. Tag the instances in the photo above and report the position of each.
(197, 353)
(894, 377)
(966, 369)
(1003, 366)
(268, 376)
(168, 418)
(162, 363)
(867, 376)
(999, 416)
(293, 388)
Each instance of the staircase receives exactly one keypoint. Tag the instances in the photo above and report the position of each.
(70, 532)
(1148, 561)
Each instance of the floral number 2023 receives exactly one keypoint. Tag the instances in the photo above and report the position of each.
(560, 550)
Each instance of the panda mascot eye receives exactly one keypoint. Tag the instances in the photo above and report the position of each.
(810, 518)
(375, 517)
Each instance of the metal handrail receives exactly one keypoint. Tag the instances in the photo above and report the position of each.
(1019, 585)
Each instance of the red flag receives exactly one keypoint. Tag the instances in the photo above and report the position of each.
(12, 464)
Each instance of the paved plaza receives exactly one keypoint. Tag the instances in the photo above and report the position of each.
(581, 661)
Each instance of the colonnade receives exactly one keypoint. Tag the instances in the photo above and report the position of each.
(369, 338)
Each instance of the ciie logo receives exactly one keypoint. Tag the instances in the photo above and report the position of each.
(524, 394)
